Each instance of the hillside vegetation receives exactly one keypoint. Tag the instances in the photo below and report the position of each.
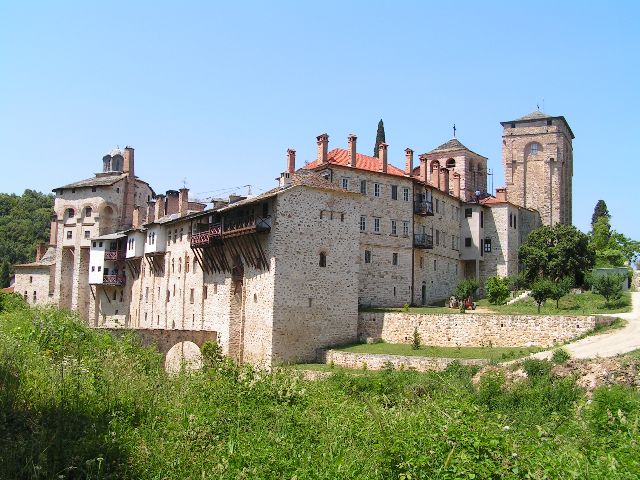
(77, 403)
(24, 222)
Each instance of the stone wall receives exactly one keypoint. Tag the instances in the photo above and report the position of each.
(33, 283)
(475, 330)
(379, 361)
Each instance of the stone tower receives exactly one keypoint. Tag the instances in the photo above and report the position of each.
(537, 156)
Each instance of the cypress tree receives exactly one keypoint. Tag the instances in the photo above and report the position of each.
(379, 138)
(600, 210)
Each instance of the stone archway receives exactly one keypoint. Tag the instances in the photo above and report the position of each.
(183, 355)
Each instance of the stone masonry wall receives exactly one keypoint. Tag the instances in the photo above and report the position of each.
(33, 284)
(378, 362)
(474, 330)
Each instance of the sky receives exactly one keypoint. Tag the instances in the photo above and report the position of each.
(212, 94)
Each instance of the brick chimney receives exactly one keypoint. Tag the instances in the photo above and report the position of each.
(291, 160)
(53, 232)
(435, 176)
(172, 204)
(423, 168)
(183, 201)
(382, 155)
(351, 140)
(158, 211)
(456, 184)
(135, 221)
(128, 166)
(41, 249)
(323, 148)
(444, 180)
(408, 162)
(501, 194)
(151, 211)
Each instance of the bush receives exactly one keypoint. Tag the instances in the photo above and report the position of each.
(466, 288)
(497, 290)
(536, 369)
(517, 282)
(416, 341)
(541, 290)
(11, 301)
(560, 289)
(610, 286)
(613, 408)
(560, 355)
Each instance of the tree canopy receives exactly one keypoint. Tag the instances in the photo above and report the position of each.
(24, 222)
(613, 249)
(556, 252)
(379, 138)
(600, 211)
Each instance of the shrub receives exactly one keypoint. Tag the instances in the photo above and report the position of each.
(466, 288)
(613, 408)
(536, 369)
(497, 290)
(11, 301)
(517, 282)
(610, 286)
(541, 290)
(560, 355)
(560, 289)
(416, 340)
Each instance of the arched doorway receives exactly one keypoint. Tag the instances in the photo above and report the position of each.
(183, 355)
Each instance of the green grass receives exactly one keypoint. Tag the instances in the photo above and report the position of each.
(80, 404)
(490, 353)
(573, 304)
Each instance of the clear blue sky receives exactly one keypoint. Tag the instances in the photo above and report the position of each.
(216, 92)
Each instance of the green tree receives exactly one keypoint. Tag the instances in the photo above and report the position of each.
(610, 286)
(556, 252)
(541, 290)
(497, 290)
(560, 289)
(379, 138)
(613, 249)
(465, 289)
(416, 341)
(600, 211)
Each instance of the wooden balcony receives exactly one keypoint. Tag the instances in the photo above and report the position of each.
(115, 255)
(422, 240)
(243, 227)
(114, 280)
(423, 208)
(203, 239)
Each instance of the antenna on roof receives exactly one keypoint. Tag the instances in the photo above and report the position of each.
(454, 130)
(248, 190)
(184, 182)
(538, 106)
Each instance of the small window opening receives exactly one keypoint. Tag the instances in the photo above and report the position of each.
(323, 259)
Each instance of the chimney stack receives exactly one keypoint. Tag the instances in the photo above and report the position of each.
(128, 166)
(158, 211)
(456, 184)
(172, 202)
(408, 162)
(501, 194)
(423, 168)
(41, 249)
(323, 148)
(183, 201)
(291, 160)
(382, 154)
(351, 140)
(53, 232)
(151, 211)
(444, 180)
(435, 175)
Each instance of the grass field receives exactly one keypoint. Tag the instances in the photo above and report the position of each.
(573, 304)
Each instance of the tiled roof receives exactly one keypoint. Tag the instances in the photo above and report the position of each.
(535, 115)
(452, 146)
(340, 156)
(8, 290)
(98, 181)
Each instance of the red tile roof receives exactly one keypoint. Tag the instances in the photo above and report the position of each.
(340, 156)
(8, 290)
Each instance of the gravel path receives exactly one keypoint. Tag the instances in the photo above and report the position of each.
(609, 344)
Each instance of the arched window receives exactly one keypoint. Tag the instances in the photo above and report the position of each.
(69, 213)
(179, 265)
(433, 165)
(106, 163)
(534, 148)
(88, 211)
(323, 259)
(186, 264)
(451, 163)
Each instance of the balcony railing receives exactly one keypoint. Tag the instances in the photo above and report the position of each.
(423, 208)
(250, 225)
(202, 239)
(115, 280)
(422, 240)
(114, 255)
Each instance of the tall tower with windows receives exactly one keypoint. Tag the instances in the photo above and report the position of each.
(537, 156)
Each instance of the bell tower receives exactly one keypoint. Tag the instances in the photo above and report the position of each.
(537, 156)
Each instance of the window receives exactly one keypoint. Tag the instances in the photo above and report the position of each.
(69, 234)
(191, 296)
(168, 296)
(453, 242)
(510, 220)
(468, 213)
(117, 189)
(70, 213)
(405, 194)
(34, 296)
(376, 189)
(99, 268)
(394, 227)
(204, 292)
(100, 244)
(186, 265)
(533, 149)
(467, 242)
(363, 187)
(437, 206)
(181, 233)
(405, 229)
(394, 192)
(451, 163)
(515, 222)
(146, 294)
(376, 225)
(94, 189)
(549, 123)
(93, 268)
(88, 211)
(394, 291)
(87, 233)
(394, 259)
(363, 223)
(93, 244)
(345, 183)
(323, 259)
(367, 256)
(30, 279)
(435, 265)
(481, 219)
(487, 245)
(421, 262)
(437, 237)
